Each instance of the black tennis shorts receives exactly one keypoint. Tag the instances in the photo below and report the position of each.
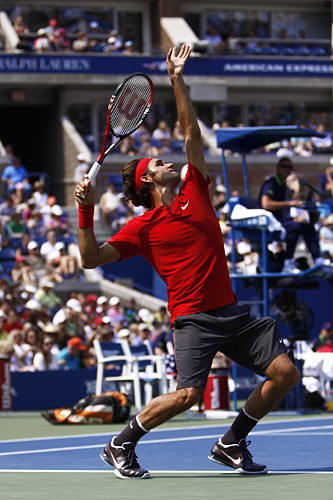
(252, 343)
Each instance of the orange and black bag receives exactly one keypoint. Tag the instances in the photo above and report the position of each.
(109, 407)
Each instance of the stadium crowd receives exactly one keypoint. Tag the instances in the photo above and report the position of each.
(92, 32)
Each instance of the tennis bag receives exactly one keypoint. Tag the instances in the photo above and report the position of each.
(109, 407)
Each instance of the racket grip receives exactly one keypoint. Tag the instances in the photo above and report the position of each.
(94, 170)
(92, 174)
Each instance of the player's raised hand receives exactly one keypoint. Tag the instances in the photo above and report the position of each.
(84, 193)
(175, 63)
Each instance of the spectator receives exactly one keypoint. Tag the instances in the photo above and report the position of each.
(67, 265)
(144, 333)
(325, 337)
(7, 208)
(272, 197)
(160, 342)
(47, 209)
(111, 47)
(39, 194)
(3, 333)
(108, 204)
(322, 145)
(127, 147)
(102, 303)
(81, 169)
(20, 26)
(165, 147)
(326, 237)
(116, 311)
(17, 360)
(31, 344)
(128, 48)
(177, 132)
(22, 273)
(91, 304)
(81, 44)
(213, 36)
(46, 297)
(61, 42)
(162, 131)
(219, 197)
(327, 180)
(286, 150)
(49, 246)
(104, 332)
(16, 179)
(44, 359)
(35, 225)
(69, 358)
(35, 261)
(58, 222)
(15, 227)
(42, 43)
(147, 149)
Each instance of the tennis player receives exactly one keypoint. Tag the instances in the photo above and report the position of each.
(181, 238)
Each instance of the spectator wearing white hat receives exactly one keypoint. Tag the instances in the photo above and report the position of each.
(58, 221)
(145, 316)
(112, 46)
(34, 259)
(81, 169)
(102, 304)
(116, 311)
(42, 43)
(46, 296)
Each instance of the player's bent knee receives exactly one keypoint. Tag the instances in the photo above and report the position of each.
(193, 394)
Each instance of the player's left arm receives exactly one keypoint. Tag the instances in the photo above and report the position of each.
(188, 121)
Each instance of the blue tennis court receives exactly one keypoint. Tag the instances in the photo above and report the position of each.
(294, 445)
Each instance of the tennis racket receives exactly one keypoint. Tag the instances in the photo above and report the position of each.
(127, 109)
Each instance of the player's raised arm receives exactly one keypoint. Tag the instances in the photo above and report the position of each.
(92, 255)
(188, 121)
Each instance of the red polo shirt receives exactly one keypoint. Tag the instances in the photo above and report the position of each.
(184, 244)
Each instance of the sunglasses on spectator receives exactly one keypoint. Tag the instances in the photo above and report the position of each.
(286, 165)
(48, 343)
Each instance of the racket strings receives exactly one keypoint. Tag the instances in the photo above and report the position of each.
(131, 105)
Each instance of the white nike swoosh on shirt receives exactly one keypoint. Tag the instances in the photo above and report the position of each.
(185, 206)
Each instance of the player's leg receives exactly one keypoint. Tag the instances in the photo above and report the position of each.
(119, 452)
(231, 449)
(194, 354)
(257, 345)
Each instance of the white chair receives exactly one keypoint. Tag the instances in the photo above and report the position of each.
(149, 368)
(114, 353)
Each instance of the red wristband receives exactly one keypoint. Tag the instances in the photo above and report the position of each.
(86, 216)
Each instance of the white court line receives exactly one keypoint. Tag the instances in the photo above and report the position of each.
(189, 472)
(171, 429)
(278, 432)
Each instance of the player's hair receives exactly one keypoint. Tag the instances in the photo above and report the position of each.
(140, 198)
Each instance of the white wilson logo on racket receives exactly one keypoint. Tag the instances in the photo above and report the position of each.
(132, 107)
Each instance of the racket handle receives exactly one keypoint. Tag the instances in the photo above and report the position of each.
(94, 170)
(92, 174)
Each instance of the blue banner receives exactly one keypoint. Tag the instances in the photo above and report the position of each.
(53, 389)
(208, 66)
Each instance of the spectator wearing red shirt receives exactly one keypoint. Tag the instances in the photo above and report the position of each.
(181, 237)
(13, 321)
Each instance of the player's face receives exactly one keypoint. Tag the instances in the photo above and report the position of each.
(163, 173)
